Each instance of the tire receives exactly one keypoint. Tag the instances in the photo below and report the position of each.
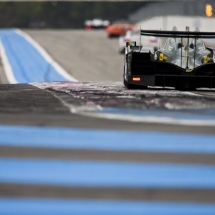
(133, 86)
(110, 36)
(185, 89)
(186, 85)
(122, 51)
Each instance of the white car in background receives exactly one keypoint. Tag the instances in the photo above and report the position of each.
(135, 36)
(96, 24)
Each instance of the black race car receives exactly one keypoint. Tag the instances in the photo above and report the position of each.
(184, 62)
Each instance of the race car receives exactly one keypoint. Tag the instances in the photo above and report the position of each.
(96, 24)
(134, 35)
(119, 28)
(185, 65)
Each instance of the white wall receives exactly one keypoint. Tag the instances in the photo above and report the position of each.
(167, 23)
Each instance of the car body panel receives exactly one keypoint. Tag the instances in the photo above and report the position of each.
(134, 35)
(119, 29)
(182, 64)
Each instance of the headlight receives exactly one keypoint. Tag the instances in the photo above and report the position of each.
(162, 57)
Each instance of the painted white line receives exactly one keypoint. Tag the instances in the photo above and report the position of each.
(150, 119)
(46, 56)
(7, 68)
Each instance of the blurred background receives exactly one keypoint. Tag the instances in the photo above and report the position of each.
(57, 14)
(62, 14)
(92, 24)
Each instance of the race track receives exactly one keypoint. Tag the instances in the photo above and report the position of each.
(95, 147)
(80, 51)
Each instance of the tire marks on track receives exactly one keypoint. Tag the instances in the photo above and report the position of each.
(112, 101)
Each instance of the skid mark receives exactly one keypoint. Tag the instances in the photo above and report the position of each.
(154, 105)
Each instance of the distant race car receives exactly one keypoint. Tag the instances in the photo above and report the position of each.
(96, 24)
(119, 28)
(185, 65)
(134, 35)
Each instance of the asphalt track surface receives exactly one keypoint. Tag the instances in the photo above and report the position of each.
(79, 51)
(27, 105)
(53, 107)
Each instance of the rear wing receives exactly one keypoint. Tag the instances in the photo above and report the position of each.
(178, 34)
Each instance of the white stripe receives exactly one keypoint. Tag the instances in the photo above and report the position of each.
(7, 68)
(45, 55)
(150, 119)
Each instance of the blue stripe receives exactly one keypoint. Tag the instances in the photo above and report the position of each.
(27, 63)
(106, 174)
(71, 138)
(33, 206)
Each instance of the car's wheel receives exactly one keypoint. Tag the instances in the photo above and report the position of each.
(122, 51)
(185, 88)
(185, 85)
(125, 83)
(110, 36)
(133, 86)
